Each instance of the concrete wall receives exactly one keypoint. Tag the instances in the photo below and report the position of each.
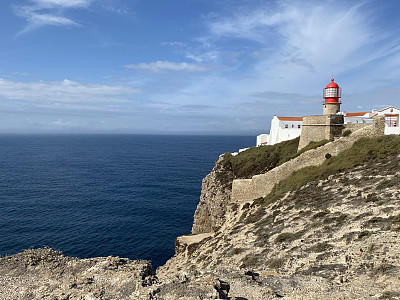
(392, 130)
(261, 185)
(262, 139)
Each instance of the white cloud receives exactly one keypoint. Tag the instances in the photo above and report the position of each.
(62, 3)
(66, 91)
(303, 43)
(160, 66)
(48, 13)
(44, 19)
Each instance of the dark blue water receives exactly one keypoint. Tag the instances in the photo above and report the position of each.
(100, 195)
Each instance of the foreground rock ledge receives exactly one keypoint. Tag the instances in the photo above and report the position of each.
(47, 274)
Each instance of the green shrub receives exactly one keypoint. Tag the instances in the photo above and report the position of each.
(310, 146)
(363, 151)
(364, 234)
(275, 263)
(250, 261)
(321, 247)
(258, 160)
(328, 156)
(288, 237)
(346, 132)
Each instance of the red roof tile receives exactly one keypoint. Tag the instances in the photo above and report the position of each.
(357, 114)
(290, 118)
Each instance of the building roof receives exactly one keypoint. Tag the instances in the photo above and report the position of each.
(290, 118)
(332, 84)
(389, 107)
(357, 114)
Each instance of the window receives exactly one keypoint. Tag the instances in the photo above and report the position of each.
(286, 126)
(292, 126)
(298, 126)
(391, 120)
(331, 92)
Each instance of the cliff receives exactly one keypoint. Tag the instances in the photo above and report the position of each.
(334, 237)
(328, 230)
(215, 195)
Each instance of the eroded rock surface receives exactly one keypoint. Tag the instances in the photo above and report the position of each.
(215, 196)
(332, 239)
(47, 274)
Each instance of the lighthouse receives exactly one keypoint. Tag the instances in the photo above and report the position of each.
(327, 126)
(331, 94)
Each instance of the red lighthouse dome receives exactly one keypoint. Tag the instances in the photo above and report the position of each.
(332, 92)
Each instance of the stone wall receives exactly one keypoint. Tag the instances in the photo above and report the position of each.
(355, 126)
(261, 185)
(321, 127)
(331, 108)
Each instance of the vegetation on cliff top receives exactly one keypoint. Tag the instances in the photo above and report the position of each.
(363, 151)
(258, 160)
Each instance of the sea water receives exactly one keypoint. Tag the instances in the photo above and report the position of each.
(101, 195)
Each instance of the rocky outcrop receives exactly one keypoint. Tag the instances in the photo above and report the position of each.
(48, 274)
(336, 238)
(215, 196)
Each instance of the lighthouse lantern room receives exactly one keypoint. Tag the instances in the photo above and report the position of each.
(332, 93)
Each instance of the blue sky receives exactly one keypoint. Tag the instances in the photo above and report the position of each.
(190, 66)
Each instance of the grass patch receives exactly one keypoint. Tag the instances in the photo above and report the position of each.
(310, 146)
(363, 151)
(321, 214)
(258, 160)
(321, 247)
(275, 263)
(390, 295)
(347, 132)
(287, 237)
(251, 260)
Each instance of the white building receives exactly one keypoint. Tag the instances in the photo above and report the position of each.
(282, 129)
(287, 128)
(391, 119)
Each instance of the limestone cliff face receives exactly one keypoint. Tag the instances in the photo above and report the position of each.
(336, 238)
(215, 196)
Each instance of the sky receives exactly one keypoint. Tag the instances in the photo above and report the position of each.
(190, 66)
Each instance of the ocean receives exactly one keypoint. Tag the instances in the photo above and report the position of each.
(101, 195)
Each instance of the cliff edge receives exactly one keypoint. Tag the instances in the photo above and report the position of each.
(325, 231)
(215, 196)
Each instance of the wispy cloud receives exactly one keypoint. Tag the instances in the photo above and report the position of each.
(62, 3)
(120, 10)
(160, 66)
(295, 43)
(39, 13)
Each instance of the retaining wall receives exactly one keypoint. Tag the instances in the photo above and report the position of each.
(261, 185)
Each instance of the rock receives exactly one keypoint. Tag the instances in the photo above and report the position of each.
(47, 274)
(222, 288)
(214, 199)
(252, 274)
